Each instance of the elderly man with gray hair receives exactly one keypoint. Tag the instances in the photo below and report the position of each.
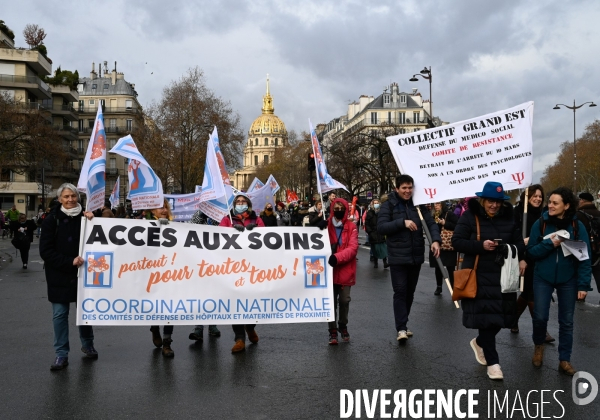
(59, 248)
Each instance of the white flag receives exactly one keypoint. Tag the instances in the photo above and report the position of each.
(92, 178)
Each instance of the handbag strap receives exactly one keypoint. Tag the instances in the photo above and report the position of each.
(478, 238)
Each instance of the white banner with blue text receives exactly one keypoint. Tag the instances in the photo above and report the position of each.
(140, 272)
(456, 160)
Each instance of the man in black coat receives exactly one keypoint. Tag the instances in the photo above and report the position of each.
(399, 220)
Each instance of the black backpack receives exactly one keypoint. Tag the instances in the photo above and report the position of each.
(593, 231)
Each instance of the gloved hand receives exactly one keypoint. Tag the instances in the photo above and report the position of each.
(250, 226)
(239, 227)
(163, 221)
(332, 260)
(322, 224)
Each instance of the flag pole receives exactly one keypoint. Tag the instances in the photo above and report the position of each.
(437, 259)
(524, 228)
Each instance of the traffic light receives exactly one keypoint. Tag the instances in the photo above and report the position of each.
(311, 161)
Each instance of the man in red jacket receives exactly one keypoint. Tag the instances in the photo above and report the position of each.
(343, 235)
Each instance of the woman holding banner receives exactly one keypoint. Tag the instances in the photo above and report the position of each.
(59, 248)
(534, 212)
(242, 217)
(163, 215)
(567, 275)
(491, 310)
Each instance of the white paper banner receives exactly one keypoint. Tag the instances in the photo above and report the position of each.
(139, 272)
(456, 160)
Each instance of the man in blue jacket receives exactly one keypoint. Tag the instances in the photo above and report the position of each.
(399, 220)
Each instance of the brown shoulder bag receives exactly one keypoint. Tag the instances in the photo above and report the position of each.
(465, 280)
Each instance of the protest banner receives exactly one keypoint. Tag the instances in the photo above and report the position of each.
(139, 272)
(456, 160)
(92, 180)
(183, 206)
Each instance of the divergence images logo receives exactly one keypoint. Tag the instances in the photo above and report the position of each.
(315, 274)
(98, 269)
(584, 388)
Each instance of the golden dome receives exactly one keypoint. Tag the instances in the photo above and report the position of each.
(268, 123)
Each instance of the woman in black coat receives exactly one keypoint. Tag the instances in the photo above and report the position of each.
(445, 219)
(59, 248)
(24, 237)
(268, 216)
(376, 239)
(490, 310)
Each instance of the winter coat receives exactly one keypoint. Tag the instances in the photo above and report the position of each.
(551, 264)
(59, 246)
(490, 308)
(404, 245)
(448, 257)
(244, 221)
(30, 228)
(269, 220)
(587, 209)
(344, 273)
(283, 218)
(371, 228)
(313, 216)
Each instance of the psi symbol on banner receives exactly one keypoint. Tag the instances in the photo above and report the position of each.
(431, 192)
(518, 177)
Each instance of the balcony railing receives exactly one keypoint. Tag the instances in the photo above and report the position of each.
(108, 110)
(8, 78)
(64, 107)
(112, 171)
(34, 106)
(66, 128)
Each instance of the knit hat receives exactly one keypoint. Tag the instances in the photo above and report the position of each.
(586, 196)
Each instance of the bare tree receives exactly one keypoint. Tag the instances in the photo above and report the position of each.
(178, 127)
(34, 35)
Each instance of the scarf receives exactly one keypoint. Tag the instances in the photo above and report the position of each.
(336, 222)
(559, 223)
(71, 212)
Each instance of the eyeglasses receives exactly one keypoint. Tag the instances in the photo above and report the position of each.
(241, 202)
(496, 202)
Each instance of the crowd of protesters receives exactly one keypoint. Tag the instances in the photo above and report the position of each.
(475, 231)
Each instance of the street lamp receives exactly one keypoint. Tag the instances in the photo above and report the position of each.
(425, 74)
(574, 108)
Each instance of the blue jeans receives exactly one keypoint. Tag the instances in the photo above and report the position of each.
(567, 295)
(60, 319)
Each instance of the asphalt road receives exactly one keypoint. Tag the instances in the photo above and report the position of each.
(292, 373)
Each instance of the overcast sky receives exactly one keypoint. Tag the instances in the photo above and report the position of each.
(485, 55)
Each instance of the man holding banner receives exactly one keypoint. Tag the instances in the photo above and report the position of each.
(399, 221)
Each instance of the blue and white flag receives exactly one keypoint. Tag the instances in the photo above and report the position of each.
(212, 184)
(222, 167)
(145, 187)
(257, 184)
(272, 182)
(116, 192)
(324, 181)
(92, 180)
(259, 198)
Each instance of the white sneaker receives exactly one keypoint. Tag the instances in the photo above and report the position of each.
(402, 335)
(494, 372)
(409, 332)
(478, 353)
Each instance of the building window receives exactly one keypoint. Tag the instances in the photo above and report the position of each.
(266, 160)
(402, 131)
(402, 99)
(81, 126)
(80, 87)
(275, 129)
(90, 123)
(113, 123)
(276, 142)
(80, 146)
(129, 125)
(111, 144)
(128, 103)
(386, 99)
(92, 102)
(266, 142)
(255, 160)
(106, 86)
(81, 105)
(389, 117)
(416, 117)
(80, 162)
(112, 163)
(6, 175)
(256, 142)
(102, 102)
(94, 86)
(402, 118)
(373, 117)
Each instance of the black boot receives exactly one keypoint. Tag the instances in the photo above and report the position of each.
(385, 263)
(438, 291)
(375, 265)
(521, 306)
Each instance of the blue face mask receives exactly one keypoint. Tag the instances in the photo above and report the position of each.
(241, 208)
(376, 206)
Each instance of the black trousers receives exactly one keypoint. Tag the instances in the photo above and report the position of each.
(404, 283)
(24, 250)
(167, 329)
(487, 341)
(240, 330)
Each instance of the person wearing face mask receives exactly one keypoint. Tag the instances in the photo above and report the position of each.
(399, 220)
(242, 217)
(376, 239)
(534, 212)
(163, 215)
(343, 236)
(268, 216)
(554, 271)
(283, 217)
(315, 214)
(490, 310)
